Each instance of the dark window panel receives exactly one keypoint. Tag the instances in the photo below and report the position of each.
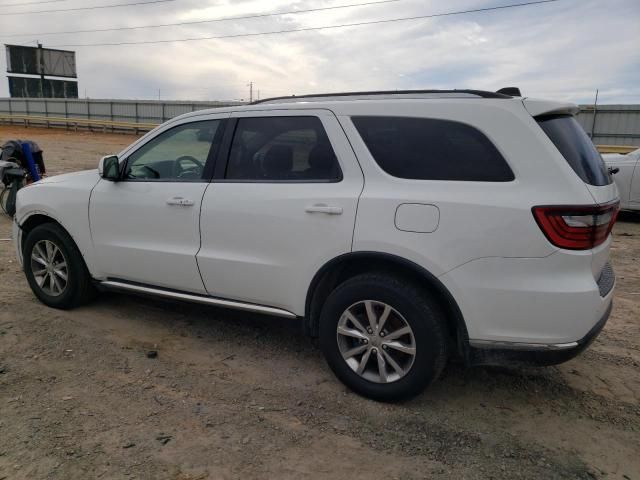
(282, 149)
(576, 147)
(431, 149)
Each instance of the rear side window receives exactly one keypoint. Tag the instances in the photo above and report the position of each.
(576, 147)
(431, 149)
(282, 149)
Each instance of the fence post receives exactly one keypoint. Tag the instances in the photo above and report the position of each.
(46, 111)
(111, 115)
(66, 114)
(162, 119)
(10, 113)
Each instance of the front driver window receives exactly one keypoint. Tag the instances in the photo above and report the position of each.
(178, 154)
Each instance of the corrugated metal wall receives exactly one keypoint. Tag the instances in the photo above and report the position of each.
(139, 111)
(614, 124)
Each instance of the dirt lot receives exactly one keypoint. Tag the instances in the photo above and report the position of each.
(237, 396)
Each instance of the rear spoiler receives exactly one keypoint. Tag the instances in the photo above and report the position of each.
(541, 107)
(547, 107)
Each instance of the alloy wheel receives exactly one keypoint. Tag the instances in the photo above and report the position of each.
(49, 268)
(376, 341)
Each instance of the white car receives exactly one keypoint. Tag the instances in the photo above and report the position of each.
(627, 177)
(403, 229)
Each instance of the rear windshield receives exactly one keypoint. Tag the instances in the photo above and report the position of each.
(576, 147)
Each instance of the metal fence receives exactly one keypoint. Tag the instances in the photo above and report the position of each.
(132, 111)
(611, 124)
(606, 124)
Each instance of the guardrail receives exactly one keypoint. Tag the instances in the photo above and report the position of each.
(30, 120)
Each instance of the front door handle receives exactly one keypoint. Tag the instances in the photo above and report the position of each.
(324, 208)
(180, 201)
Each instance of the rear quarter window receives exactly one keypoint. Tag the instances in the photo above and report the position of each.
(432, 149)
(576, 147)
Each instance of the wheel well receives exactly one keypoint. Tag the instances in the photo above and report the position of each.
(33, 221)
(347, 266)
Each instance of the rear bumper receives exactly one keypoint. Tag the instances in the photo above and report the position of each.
(502, 353)
(553, 300)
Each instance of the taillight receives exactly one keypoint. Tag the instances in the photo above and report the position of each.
(576, 227)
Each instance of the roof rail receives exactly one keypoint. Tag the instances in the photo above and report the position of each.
(479, 93)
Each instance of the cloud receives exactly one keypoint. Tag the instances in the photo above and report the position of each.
(563, 50)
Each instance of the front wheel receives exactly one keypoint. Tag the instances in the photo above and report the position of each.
(54, 267)
(383, 337)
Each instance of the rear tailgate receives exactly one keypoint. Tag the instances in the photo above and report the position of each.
(558, 122)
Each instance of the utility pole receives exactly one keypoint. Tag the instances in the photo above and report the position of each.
(250, 85)
(158, 94)
(258, 95)
(41, 67)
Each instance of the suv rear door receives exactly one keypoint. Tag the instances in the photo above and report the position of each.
(560, 126)
(576, 148)
(282, 204)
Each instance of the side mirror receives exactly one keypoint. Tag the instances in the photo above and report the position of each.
(109, 168)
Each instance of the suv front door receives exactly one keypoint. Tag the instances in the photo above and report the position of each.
(145, 228)
(284, 206)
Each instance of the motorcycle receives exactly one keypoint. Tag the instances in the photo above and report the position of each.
(21, 163)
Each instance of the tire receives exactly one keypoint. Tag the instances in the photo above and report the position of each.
(78, 288)
(405, 305)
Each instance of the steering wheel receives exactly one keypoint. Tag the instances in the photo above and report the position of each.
(193, 171)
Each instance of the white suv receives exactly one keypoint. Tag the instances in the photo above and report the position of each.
(402, 228)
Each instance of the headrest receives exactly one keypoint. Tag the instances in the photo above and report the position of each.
(278, 161)
(321, 157)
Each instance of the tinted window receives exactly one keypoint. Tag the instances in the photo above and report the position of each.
(282, 148)
(178, 154)
(576, 147)
(429, 149)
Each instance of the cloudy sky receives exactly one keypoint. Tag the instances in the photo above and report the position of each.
(565, 49)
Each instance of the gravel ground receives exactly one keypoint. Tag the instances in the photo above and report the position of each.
(233, 395)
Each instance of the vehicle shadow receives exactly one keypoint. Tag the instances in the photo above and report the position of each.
(274, 339)
(207, 323)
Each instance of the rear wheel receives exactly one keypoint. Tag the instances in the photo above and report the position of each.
(54, 267)
(384, 338)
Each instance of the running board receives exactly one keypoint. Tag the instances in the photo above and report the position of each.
(188, 297)
(521, 346)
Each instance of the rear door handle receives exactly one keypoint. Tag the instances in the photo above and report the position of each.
(324, 208)
(180, 201)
